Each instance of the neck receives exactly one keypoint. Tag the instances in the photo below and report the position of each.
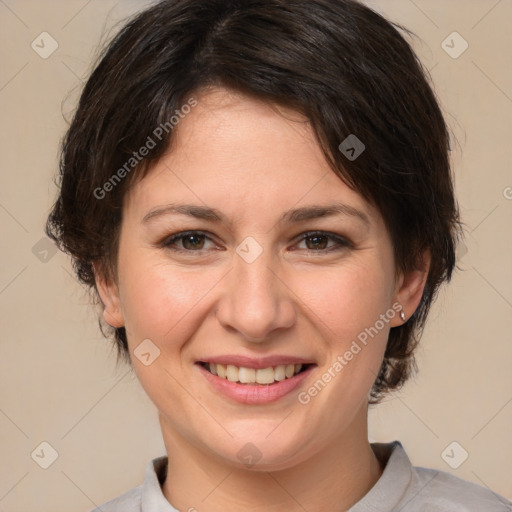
(332, 479)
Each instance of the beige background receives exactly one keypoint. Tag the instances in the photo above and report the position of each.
(58, 381)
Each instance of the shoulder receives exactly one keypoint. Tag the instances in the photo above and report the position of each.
(130, 501)
(145, 497)
(438, 491)
(416, 489)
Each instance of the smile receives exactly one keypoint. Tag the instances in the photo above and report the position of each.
(244, 375)
(254, 386)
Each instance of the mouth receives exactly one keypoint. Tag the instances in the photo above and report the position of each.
(253, 381)
(254, 376)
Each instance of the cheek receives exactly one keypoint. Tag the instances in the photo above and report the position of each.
(346, 304)
(346, 298)
(160, 299)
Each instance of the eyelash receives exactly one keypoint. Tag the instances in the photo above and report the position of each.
(341, 242)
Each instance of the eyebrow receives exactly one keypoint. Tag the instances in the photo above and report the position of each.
(291, 216)
(198, 212)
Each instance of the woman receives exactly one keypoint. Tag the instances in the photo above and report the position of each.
(259, 192)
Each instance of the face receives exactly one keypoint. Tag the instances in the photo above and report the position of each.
(241, 247)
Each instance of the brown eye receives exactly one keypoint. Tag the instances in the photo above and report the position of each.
(187, 242)
(316, 242)
(321, 242)
(192, 242)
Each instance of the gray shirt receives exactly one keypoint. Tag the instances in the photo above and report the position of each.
(401, 487)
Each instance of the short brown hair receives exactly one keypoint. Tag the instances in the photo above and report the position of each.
(343, 66)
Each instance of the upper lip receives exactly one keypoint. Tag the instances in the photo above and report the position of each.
(255, 362)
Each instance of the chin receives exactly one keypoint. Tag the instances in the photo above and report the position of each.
(260, 451)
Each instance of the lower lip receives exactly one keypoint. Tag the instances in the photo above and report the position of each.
(255, 393)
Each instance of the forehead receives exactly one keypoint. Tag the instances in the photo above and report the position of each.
(234, 128)
(232, 151)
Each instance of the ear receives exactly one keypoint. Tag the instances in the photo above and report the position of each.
(409, 289)
(109, 294)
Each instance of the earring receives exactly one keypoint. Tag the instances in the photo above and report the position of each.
(402, 315)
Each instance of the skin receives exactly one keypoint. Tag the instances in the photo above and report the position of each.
(252, 162)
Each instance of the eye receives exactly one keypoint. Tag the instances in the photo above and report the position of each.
(187, 241)
(197, 241)
(320, 241)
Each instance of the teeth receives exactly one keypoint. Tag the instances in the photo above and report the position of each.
(251, 375)
(265, 375)
(232, 373)
(280, 372)
(246, 375)
(221, 370)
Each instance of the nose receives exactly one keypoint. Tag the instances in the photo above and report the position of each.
(255, 302)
